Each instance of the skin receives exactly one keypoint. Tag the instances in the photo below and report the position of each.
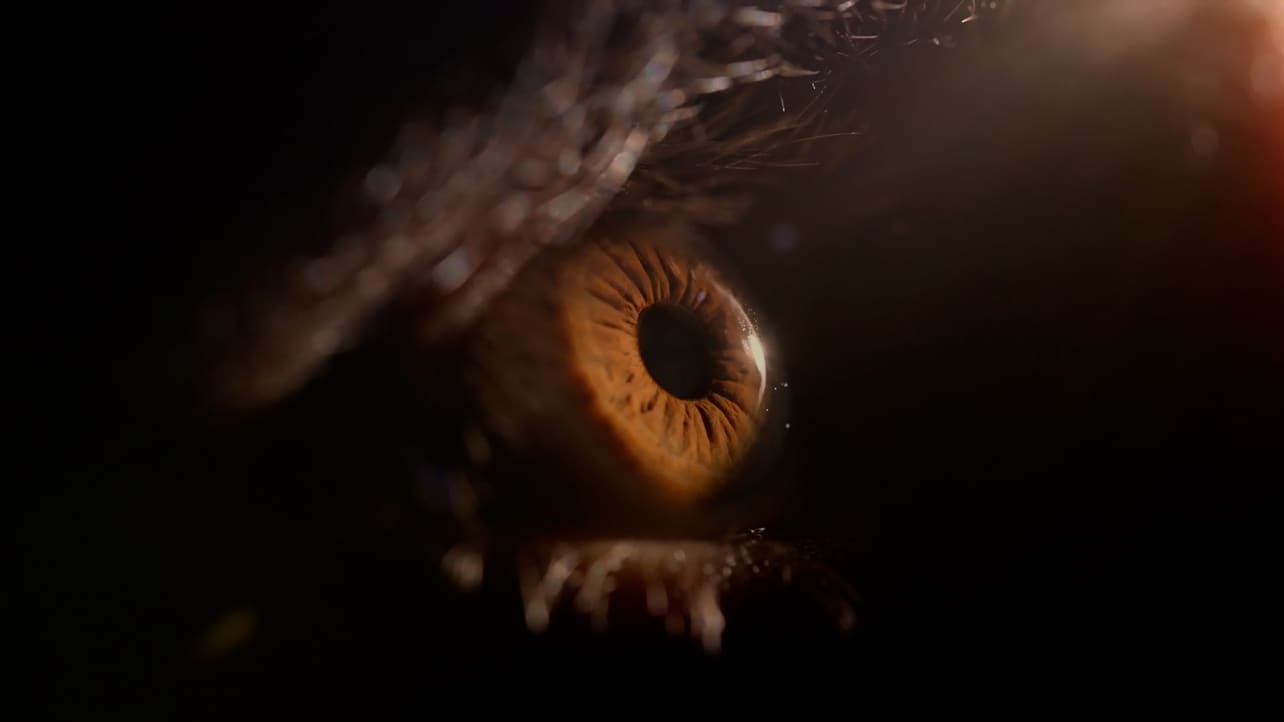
(1030, 323)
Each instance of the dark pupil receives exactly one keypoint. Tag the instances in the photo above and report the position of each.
(676, 349)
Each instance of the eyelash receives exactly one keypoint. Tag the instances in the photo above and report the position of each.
(452, 215)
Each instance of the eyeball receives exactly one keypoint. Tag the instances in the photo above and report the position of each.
(628, 373)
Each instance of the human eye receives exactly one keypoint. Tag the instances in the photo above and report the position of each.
(713, 336)
(620, 401)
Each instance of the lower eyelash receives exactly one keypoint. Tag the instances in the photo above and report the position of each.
(687, 588)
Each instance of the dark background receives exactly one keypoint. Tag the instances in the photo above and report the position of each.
(1032, 338)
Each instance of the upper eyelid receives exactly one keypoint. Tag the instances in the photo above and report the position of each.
(535, 169)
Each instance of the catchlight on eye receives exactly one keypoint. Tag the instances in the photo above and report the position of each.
(631, 363)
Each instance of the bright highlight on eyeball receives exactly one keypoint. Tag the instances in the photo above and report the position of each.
(630, 358)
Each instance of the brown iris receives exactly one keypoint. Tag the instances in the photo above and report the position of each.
(630, 360)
